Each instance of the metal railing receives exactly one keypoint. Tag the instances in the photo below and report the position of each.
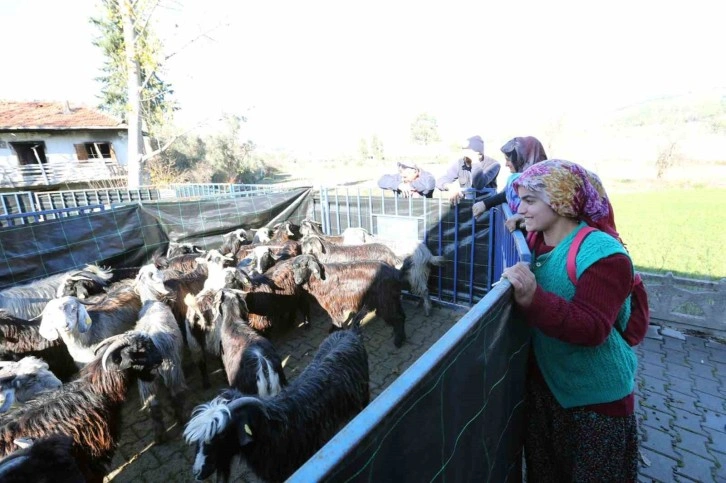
(33, 202)
(446, 230)
(60, 171)
(468, 388)
(507, 248)
(45, 215)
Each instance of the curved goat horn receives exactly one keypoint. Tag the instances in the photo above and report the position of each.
(118, 342)
(247, 401)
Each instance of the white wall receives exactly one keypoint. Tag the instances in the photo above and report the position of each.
(59, 146)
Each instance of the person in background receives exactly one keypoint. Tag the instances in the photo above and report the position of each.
(581, 424)
(410, 181)
(472, 170)
(520, 153)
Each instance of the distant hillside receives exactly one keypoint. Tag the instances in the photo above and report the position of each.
(707, 109)
(687, 133)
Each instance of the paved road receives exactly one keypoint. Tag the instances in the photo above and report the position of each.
(681, 407)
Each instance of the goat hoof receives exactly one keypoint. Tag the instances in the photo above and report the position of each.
(398, 341)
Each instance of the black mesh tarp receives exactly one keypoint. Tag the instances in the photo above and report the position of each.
(126, 236)
(457, 414)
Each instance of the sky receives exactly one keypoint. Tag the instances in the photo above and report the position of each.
(318, 76)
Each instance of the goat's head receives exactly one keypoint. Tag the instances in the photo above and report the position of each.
(25, 379)
(304, 266)
(219, 427)
(82, 283)
(149, 284)
(215, 259)
(313, 244)
(286, 230)
(232, 241)
(262, 259)
(263, 235)
(133, 351)
(236, 279)
(199, 309)
(310, 227)
(176, 249)
(65, 314)
(229, 303)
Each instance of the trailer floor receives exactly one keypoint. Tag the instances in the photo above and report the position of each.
(138, 459)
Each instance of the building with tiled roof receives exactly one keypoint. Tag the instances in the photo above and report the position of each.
(50, 143)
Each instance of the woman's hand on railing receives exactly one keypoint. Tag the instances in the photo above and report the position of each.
(523, 282)
(478, 208)
(513, 222)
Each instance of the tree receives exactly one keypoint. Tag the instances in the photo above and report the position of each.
(376, 148)
(425, 129)
(363, 148)
(233, 160)
(132, 87)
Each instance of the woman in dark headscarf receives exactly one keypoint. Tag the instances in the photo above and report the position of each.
(520, 153)
(581, 423)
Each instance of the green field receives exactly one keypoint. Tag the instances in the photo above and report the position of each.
(676, 230)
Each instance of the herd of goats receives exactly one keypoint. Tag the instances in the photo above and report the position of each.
(72, 345)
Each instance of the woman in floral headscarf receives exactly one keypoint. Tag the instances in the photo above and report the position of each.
(520, 153)
(580, 392)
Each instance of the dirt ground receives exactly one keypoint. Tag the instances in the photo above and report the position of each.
(139, 460)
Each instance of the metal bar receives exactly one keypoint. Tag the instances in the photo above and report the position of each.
(370, 212)
(347, 206)
(471, 260)
(456, 250)
(360, 217)
(337, 210)
(493, 259)
(440, 252)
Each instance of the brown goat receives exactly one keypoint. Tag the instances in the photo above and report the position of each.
(343, 289)
(327, 252)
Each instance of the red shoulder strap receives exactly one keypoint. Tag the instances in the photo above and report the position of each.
(572, 253)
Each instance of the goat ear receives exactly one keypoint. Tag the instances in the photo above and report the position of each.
(317, 269)
(84, 320)
(244, 433)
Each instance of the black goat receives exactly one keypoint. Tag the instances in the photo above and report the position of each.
(251, 362)
(175, 249)
(277, 435)
(47, 460)
(89, 408)
(20, 338)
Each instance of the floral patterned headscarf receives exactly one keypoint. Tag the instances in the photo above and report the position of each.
(571, 191)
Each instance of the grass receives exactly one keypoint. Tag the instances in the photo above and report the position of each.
(674, 230)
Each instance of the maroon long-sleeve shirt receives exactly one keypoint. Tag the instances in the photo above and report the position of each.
(589, 317)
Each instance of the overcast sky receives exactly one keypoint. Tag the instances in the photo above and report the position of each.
(319, 75)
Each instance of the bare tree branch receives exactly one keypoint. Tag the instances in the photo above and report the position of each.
(150, 75)
(166, 146)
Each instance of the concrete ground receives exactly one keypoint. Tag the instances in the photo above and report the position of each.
(681, 389)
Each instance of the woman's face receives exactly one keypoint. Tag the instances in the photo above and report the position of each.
(538, 215)
(510, 165)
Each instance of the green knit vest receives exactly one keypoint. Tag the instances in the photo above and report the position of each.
(579, 375)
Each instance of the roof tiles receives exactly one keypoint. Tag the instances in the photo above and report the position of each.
(53, 115)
